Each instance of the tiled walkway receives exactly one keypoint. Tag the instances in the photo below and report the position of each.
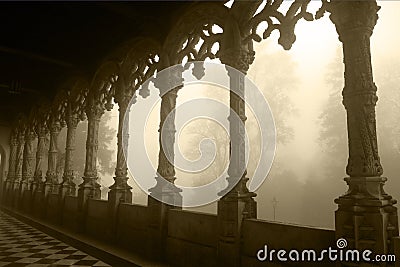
(23, 245)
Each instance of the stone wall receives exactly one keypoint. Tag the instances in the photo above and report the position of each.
(257, 233)
(191, 237)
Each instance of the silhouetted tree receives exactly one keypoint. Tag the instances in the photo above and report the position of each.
(106, 149)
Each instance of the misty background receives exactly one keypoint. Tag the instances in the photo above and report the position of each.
(303, 88)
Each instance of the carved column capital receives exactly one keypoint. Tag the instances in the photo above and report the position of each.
(41, 131)
(72, 120)
(169, 80)
(55, 127)
(352, 17)
(14, 140)
(240, 59)
(94, 112)
(21, 138)
(29, 136)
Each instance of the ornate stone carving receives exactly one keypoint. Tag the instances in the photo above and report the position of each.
(359, 93)
(237, 203)
(240, 59)
(120, 186)
(167, 133)
(51, 183)
(195, 34)
(286, 25)
(13, 156)
(90, 188)
(20, 156)
(12, 164)
(28, 162)
(366, 213)
(168, 82)
(68, 186)
(41, 132)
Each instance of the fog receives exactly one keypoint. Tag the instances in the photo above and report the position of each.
(303, 87)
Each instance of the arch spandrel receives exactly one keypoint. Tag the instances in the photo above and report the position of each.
(77, 91)
(58, 108)
(101, 89)
(195, 24)
(139, 64)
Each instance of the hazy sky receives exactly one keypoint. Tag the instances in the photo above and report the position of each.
(317, 46)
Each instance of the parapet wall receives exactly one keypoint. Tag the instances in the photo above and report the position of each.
(189, 238)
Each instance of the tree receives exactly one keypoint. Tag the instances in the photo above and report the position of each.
(106, 150)
(333, 133)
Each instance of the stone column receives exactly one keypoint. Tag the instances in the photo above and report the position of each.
(11, 167)
(90, 188)
(51, 183)
(238, 203)
(120, 191)
(27, 165)
(164, 189)
(67, 187)
(366, 215)
(18, 166)
(37, 185)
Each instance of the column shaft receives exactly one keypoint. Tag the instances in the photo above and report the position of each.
(67, 187)
(51, 184)
(120, 191)
(19, 160)
(366, 215)
(11, 167)
(165, 190)
(40, 154)
(27, 168)
(237, 202)
(90, 188)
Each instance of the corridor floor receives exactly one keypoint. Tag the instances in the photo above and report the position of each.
(23, 245)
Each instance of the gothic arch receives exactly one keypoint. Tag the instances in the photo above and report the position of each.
(195, 27)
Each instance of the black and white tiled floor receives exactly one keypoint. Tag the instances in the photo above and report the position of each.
(23, 245)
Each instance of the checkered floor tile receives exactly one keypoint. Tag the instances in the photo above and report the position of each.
(22, 245)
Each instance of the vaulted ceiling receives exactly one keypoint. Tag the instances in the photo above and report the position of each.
(44, 43)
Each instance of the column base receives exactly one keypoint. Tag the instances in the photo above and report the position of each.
(366, 216)
(7, 191)
(67, 188)
(47, 188)
(15, 192)
(120, 191)
(233, 208)
(90, 188)
(23, 190)
(166, 192)
(163, 197)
